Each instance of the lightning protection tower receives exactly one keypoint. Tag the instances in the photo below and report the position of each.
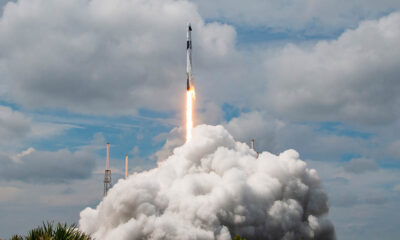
(107, 175)
(252, 147)
(126, 166)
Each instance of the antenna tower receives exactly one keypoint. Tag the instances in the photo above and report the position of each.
(126, 166)
(252, 147)
(107, 175)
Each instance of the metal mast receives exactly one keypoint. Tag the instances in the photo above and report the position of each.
(107, 175)
(126, 166)
(252, 147)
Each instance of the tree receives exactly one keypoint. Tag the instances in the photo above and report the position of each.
(237, 237)
(50, 232)
(17, 237)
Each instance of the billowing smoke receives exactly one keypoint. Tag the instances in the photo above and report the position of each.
(214, 188)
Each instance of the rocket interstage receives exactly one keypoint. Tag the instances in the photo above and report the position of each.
(190, 92)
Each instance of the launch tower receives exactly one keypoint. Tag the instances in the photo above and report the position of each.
(107, 175)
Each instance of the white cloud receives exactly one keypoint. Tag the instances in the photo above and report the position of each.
(360, 165)
(16, 128)
(115, 57)
(275, 135)
(312, 17)
(362, 205)
(17, 157)
(394, 149)
(397, 187)
(9, 193)
(173, 139)
(47, 167)
(41, 130)
(135, 150)
(210, 113)
(258, 126)
(14, 125)
(110, 57)
(353, 78)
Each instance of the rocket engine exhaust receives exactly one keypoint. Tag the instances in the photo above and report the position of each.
(190, 92)
(189, 113)
(212, 188)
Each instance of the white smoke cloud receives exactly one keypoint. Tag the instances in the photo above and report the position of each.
(213, 188)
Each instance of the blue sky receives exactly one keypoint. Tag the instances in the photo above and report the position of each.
(321, 78)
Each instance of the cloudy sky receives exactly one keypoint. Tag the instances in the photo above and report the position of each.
(321, 77)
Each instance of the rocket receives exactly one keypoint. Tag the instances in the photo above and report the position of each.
(189, 75)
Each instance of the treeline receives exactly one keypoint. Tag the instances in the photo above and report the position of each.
(62, 231)
(49, 231)
(237, 237)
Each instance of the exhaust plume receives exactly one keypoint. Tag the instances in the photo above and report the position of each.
(213, 187)
(190, 97)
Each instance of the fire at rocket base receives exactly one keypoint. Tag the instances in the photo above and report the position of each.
(190, 92)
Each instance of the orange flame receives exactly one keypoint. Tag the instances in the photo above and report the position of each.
(190, 96)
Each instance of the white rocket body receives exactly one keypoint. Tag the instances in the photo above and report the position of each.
(189, 74)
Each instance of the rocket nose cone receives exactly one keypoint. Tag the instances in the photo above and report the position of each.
(189, 27)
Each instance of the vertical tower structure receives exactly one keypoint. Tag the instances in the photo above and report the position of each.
(252, 147)
(126, 166)
(107, 174)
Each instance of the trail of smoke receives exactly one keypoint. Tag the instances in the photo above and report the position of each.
(212, 188)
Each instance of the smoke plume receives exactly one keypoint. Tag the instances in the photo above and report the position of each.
(213, 188)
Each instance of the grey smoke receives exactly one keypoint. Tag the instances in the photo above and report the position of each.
(212, 188)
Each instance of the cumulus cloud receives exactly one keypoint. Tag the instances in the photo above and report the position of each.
(258, 126)
(362, 205)
(16, 127)
(116, 57)
(313, 17)
(212, 188)
(13, 125)
(172, 140)
(47, 167)
(9, 193)
(347, 189)
(360, 165)
(275, 135)
(110, 56)
(394, 149)
(353, 78)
